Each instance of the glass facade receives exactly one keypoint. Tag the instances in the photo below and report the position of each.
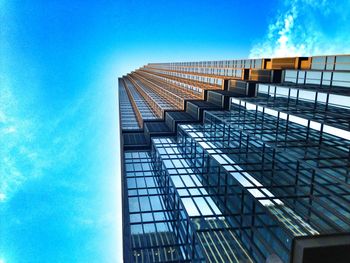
(128, 116)
(247, 178)
(153, 238)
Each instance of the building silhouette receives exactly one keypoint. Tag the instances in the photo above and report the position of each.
(237, 161)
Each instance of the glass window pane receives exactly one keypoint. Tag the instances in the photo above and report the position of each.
(203, 206)
(190, 207)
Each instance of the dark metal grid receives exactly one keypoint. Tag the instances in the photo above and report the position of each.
(335, 218)
(128, 117)
(245, 63)
(173, 98)
(183, 224)
(153, 238)
(175, 87)
(213, 81)
(322, 98)
(305, 133)
(155, 98)
(144, 109)
(290, 166)
(253, 223)
(213, 73)
(201, 81)
(205, 217)
(261, 157)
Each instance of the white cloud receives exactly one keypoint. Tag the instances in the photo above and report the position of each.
(8, 130)
(295, 30)
(19, 154)
(35, 144)
(31, 146)
(2, 197)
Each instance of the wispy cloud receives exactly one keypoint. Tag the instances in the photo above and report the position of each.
(20, 156)
(33, 145)
(297, 30)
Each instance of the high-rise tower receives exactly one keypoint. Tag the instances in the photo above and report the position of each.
(237, 161)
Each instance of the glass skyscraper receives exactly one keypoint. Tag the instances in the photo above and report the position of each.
(237, 161)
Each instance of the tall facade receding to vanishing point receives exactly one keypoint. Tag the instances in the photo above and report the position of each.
(237, 161)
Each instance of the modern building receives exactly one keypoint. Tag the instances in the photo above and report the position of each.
(237, 161)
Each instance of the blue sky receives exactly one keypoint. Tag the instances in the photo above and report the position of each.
(59, 180)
